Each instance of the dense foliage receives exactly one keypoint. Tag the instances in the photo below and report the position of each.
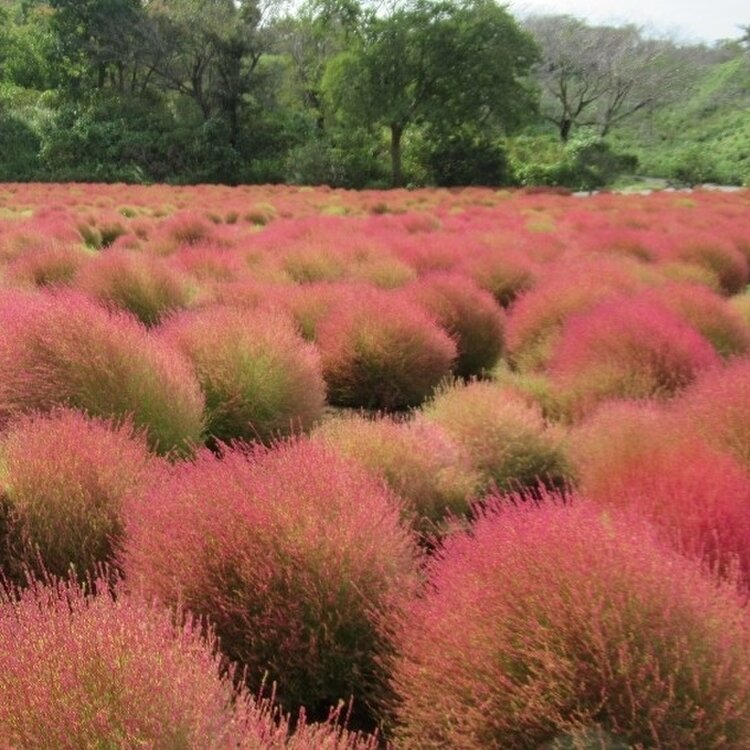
(456, 92)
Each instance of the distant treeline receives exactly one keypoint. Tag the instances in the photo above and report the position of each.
(341, 92)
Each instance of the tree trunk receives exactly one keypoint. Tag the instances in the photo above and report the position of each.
(396, 176)
(565, 125)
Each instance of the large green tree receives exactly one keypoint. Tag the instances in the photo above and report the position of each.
(439, 64)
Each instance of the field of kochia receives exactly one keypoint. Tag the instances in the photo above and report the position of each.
(303, 468)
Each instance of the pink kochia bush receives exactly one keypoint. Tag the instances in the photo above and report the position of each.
(260, 378)
(711, 315)
(633, 457)
(717, 407)
(63, 479)
(468, 314)
(296, 555)
(55, 264)
(628, 348)
(382, 351)
(567, 288)
(558, 626)
(86, 669)
(64, 349)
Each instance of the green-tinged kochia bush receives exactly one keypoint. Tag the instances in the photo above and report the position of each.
(382, 351)
(141, 284)
(62, 349)
(261, 380)
(86, 668)
(564, 627)
(506, 437)
(63, 479)
(418, 460)
(296, 555)
(468, 314)
(55, 264)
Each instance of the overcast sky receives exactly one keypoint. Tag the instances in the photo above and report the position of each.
(688, 20)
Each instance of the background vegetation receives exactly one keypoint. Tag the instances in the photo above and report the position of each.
(339, 93)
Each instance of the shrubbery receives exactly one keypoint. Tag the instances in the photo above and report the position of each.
(63, 349)
(506, 437)
(83, 668)
(64, 479)
(382, 351)
(295, 554)
(417, 459)
(261, 380)
(564, 627)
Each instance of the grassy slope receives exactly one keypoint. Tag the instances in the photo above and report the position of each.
(704, 134)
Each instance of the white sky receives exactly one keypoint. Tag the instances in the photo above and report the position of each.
(686, 20)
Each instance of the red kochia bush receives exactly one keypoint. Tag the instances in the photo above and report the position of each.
(711, 315)
(634, 457)
(89, 670)
(566, 288)
(468, 314)
(382, 351)
(63, 480)
(260, 378)
(560, 624)
(64, 349)
(628, 348)
(717, 407)
(297, 557)
(720, 257)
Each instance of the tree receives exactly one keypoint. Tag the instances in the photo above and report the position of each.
(96, 37)
(599, 75)
(438, 64)
(320, 30)
(209, 51)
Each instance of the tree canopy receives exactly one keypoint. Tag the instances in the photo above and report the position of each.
(351, 93)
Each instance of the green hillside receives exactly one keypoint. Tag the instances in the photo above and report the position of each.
(702, 134)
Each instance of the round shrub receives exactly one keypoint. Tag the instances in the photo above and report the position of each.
(711, 315)
(717, 407)
(382, 351)
(63, 480)
(55, 264)
(506, 437)
(537, 318)
(561, 627)
(86, 669)
(633, 457)
(141, 284)
(469, 315)
(260, 378)
(296, 555)
(310, 304)
(64, 349)
(505, 273)
(722, 258)
(418, 461)
(627, 348)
